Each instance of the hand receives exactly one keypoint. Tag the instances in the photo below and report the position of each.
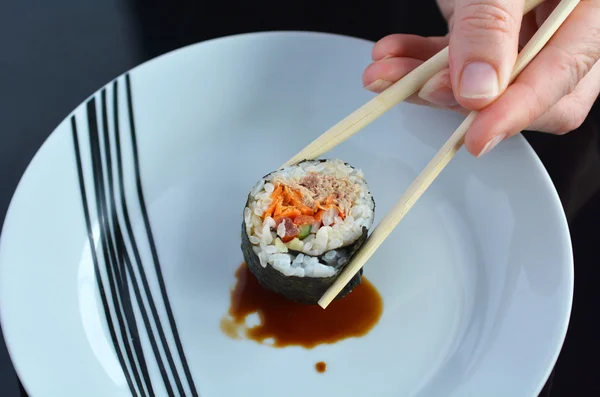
(553, 94)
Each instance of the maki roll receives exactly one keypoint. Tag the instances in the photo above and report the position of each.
(303, 224)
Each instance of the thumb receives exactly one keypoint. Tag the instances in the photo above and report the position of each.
(483, 49)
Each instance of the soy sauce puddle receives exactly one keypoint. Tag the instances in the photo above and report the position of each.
(285, 323)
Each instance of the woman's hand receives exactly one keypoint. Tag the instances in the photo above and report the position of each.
(553, 94)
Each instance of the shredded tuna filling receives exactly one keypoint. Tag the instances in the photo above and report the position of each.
(303, 203)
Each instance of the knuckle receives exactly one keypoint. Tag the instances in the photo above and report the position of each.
(575, 66)
(582, 64)
(567, 115)
(567, 124)
(481, 16)
(570, 119)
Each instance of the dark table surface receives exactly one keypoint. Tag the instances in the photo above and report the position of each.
(56, 53)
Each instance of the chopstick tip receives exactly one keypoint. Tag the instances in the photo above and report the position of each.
(323, 303)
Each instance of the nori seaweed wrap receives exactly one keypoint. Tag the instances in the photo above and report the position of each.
(302, 225)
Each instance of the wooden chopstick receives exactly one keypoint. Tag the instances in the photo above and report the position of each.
(380, 104)
(442, 158)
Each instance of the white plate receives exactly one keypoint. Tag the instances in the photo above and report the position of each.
(477, 280)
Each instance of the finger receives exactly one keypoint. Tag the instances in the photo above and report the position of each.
(408, 46)
(438, 90)
(483, 49)
(389, 70)
(381, 74)
(447, 9)
(553, 74)
(570, 112)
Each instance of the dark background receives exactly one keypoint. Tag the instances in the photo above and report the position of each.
(56, 53)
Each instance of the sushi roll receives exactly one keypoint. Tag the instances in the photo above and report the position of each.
(302, 225)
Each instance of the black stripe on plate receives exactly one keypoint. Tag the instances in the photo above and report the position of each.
(155, 257)
(86, 214)
(118, 251)
(140, 266)
(115, 267)
(106, 239)
(118, 261)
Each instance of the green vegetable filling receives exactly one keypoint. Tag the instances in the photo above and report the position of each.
(304, 231)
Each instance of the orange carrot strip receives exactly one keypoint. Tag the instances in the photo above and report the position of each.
(280, 208)
(288, 213)
(289, 203)
(276, 197)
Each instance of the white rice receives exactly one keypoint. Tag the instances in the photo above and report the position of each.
(327, 240)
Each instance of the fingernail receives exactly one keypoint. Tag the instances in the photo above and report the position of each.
(479, 80)
(491, 144)
(378, 85)
(441, 96)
